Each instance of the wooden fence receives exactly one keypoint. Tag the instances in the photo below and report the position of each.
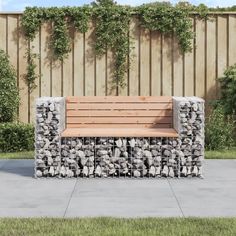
(157, 66)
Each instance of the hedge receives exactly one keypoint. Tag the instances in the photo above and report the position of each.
(15, 137)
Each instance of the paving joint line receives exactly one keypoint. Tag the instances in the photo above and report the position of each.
(64, 215)
(172, 190)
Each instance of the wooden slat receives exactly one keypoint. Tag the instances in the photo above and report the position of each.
(68, 75)
(189, 70)
(167, 65)
(232, 37)
(110, 84)
(35, 93)
(178, 69)
(118, 99)
(222, 45)
(3, 32)
(89, 62)
(78, 61)
(118, 132)
(144, 62)
(200, 58)
(45, 63)
(100, 75)
(211, 60)
(116, 106)
(119, 113)
(156, 63)
(119, 120)
(134, 59)
(159, 126)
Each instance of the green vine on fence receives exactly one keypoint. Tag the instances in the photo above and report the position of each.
(111, 26)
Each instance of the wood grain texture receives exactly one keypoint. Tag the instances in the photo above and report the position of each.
(45, 61)
(3, 32)
(200, 58)
(35, 92)
(78, 62)
(178, 69)
(232, 37)
(155, 63)
(134, 59)
(211, 59)
(118, 132)
(189, 70)
(89, 62)
(167, 65)
(145, 62)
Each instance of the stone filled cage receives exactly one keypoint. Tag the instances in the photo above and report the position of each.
(138, 157)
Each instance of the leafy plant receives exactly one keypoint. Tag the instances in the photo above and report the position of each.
(219, 130)
(16, 137)
(31, 76)
(9, 94)
(228, 90)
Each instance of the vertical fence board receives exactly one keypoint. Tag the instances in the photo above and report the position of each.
(45, 61)
(35, 93)
(144, 62)
(110, 84)
(232, 38)
(211, 59)
(155, 63)
(68, 75)
(101, 75)
(78, 61)
(3, 32)
(222, 45)
(167, 66)
(89, 62)
(178, 69)
(134, 61)
(200, 58)
(188, 82)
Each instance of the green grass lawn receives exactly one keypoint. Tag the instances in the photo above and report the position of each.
(223, 154)
(119, 227)
(17, 155)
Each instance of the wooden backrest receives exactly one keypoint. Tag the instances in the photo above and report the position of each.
(119, 111)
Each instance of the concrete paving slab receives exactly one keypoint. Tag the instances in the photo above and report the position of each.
(21, 195)
(123, 198)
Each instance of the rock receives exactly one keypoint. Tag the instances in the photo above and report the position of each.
(51, 107)
(158, 170)
(171, 172)
(38, 173)
(152, 171)
(98, 171)
(165, 171)
(117, 152)
(51, 171)
(85, 171)
(195, 171)
(132, 142)
(136, 173)
(63, 171)
(118, 143)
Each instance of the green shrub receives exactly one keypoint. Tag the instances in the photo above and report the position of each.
(219, 130)
(228, 90)
(16, 137)
(9, 94)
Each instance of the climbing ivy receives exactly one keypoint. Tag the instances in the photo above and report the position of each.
(30, 75)
(111, 26)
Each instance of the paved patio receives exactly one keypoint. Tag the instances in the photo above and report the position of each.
(23, 196)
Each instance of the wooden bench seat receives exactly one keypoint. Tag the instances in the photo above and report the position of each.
(112, 116)
(119, 132)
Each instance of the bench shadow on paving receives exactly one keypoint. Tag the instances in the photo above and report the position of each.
(18, 167)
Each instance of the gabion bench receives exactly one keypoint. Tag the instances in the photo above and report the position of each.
(119, 136)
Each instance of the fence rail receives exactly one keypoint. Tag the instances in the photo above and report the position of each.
(157, 66)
